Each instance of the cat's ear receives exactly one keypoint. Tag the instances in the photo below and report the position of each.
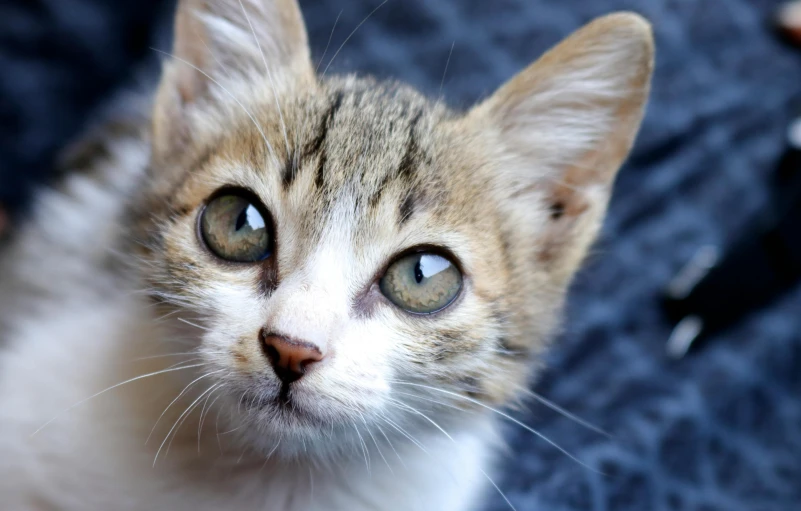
(563, 126)
(224, 45)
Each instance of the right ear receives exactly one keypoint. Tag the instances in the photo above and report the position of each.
(221, 45)
(562, 128)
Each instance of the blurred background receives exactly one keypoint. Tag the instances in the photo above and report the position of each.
(716, 430)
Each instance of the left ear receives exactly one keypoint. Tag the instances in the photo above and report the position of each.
(563, 126)
(221, 47)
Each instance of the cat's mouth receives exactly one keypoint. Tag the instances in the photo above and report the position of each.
(284, 404)
(297, 407)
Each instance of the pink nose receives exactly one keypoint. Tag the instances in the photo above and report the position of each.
(289, 357)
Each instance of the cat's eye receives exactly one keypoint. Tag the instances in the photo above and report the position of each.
(422, 282)
(235, 228)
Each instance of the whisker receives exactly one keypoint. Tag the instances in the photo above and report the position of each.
(213, 386)
(188, 386)
(239, 404)
(155, 373)
(541, 399)
(213, 55)
(351, 35)
(311, 487)
(506, 416)
(440, 428)
(497, 488)
(163, 317)
(403, 432)
(269, 454)
(253, 119)
(412, 409)
(331, 36)
(228, 432)
(188, 361)
(378, 448)
(182, 320)
(445, 72)
(185, 412)
(364, 448)
(204, 413)
(391, 446)
(431, 400)
(242, 455)
(151, 357)
(217, 431)
(269, 75)
(553, 406)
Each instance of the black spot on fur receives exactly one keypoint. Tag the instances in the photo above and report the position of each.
(507, 349)
(376, 198)
(506, 248)
(319, 175)
(557, 210)
(446, 345)
(269, 279)
(182, 209)
(406, 207)
(471, 386)
(290, 171)
(325, 123)
(87, 157)
(317, 145)
(409, 162)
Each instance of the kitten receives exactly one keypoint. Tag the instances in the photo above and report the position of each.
(301, 292)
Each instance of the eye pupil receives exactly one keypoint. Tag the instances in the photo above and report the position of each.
(241, 219)
(418, 273)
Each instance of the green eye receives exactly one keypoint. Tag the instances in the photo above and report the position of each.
(422, 283)
(235, 229)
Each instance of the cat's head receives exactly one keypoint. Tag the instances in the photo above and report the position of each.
(350, 250)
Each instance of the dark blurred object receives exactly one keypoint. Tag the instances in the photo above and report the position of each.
(788, 20)
(3, 222)
(713, 291)
(60, 60)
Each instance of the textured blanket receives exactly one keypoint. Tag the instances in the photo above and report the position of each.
(718, 431)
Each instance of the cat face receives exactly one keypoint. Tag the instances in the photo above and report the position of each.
(349, 252)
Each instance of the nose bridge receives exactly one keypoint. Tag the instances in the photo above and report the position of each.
(311, 303)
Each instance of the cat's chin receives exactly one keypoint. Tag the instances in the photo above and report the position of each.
(280, 432)
(295, 424)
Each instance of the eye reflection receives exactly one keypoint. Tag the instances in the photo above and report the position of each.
(254, 218)
(430, 265)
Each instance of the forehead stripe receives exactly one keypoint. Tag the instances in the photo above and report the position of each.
(316, 146)
(410, 158)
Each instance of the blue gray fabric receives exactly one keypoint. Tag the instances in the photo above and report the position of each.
(718, 431)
